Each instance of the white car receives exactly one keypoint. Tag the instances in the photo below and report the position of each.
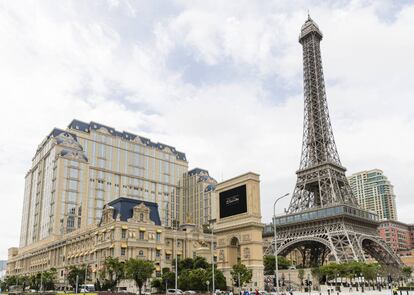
(172, 291)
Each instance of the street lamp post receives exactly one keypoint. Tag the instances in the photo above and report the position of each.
(212, 221)
(41, 281)
(176, 258)
(274, 229)
(363, 282)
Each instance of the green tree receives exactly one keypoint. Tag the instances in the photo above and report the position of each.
(219, 279)
(240, 272)
(184, 279)
(11, 281)
(406, 271)
(269, 264)
(24, 281)
(201, 262)
(139, 271)
(168, 278)
(187, 263)
(197, 279)
(74, 271)
(111, 273)
(48, 279)
(157, 284)
(34, 281)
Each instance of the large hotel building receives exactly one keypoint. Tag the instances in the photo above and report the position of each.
(77, 171)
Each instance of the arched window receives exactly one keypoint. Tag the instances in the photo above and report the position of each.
(141, 253)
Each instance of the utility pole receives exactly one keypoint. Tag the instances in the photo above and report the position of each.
(86, 274)
(238, 277)
(212, 221)
(41, 281)
(176, 258)
(275, 239)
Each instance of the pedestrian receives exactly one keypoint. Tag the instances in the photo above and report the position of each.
(231, 292)
(256, 292)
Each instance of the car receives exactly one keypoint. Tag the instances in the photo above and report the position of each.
(172, 291)
(189, 292)
(263, 293)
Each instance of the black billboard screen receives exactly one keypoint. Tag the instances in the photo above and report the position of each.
(233, 201)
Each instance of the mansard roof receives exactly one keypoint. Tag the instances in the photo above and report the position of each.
(125, 208)
(87, 127)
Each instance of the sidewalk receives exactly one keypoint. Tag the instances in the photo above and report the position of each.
(345, 291)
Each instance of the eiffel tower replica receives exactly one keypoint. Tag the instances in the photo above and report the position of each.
(324, 221)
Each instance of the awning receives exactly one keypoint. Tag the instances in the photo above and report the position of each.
(157, 268)
(124, 245)
(124, 227)
(168, 252)
(158, 248)
(142, 229)
(112, 245)
(112, 227)
(159, 231)
(103, 231)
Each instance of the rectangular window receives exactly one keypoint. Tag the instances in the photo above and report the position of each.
(73, 173)
(123, 234)
(123, 251)
(158, 253)
(158, 237)
(72, 184)
(141, 235)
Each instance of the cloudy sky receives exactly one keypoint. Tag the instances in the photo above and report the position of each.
(219, 80)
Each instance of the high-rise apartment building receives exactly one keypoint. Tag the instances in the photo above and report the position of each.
(374, 192)
(76, 171)
(199, 196)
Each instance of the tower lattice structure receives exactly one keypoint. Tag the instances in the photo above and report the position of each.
(323, 220)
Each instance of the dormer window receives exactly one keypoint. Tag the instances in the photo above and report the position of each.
(141, 217)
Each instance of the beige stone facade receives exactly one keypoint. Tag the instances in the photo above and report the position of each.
(78, 174)
(76, 171)
(139, 236)
(239, 235)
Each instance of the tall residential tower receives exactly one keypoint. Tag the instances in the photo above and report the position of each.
(374, 192)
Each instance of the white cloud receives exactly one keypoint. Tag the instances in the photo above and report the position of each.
(111, 63)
